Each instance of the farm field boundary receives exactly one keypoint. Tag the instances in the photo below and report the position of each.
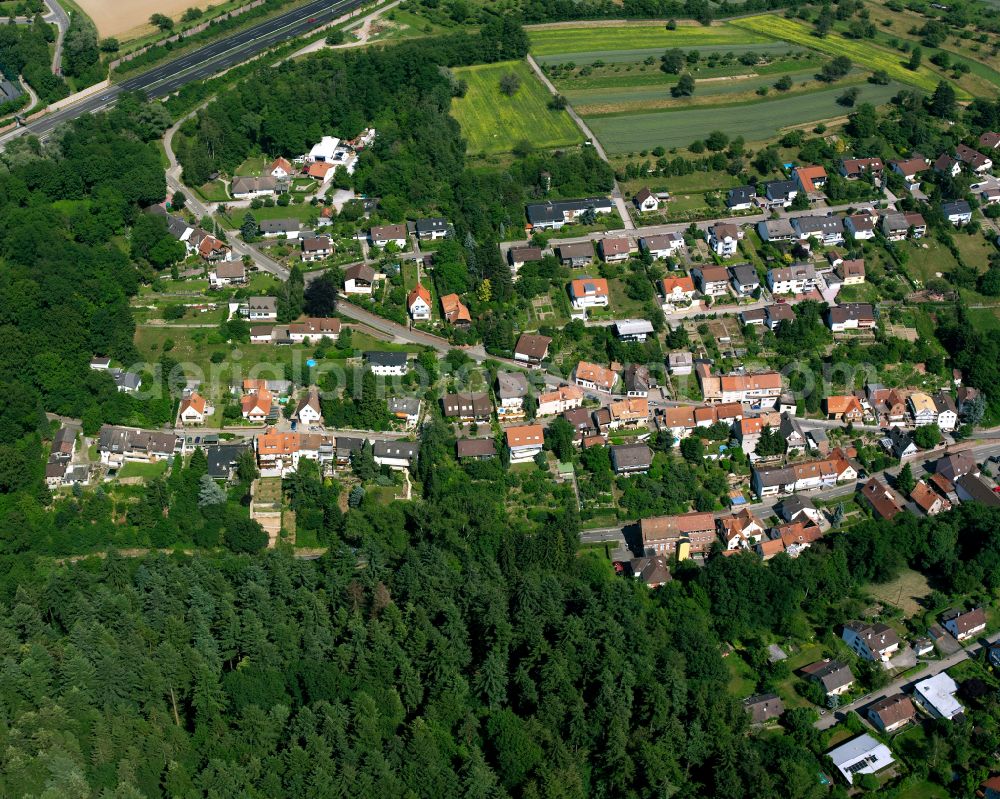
(552, 41)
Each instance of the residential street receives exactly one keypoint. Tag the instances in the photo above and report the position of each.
(933, 667)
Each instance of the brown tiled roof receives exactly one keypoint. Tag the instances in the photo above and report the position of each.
(532, 346)
(893, 709)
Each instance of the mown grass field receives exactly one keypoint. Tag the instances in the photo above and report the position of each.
(863, 53)
(631, 54)
(494, 123)
(597, 39)
(757, 122)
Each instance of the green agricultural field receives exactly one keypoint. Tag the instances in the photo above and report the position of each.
(635, 55)
(494, 123)
(599, 39)
(863, 53)
(757, 122)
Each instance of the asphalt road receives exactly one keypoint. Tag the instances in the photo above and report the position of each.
(206, 61)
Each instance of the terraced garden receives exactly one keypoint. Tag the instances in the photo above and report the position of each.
(757, 122)
(494, 123)
(598, 39)
(862, 53)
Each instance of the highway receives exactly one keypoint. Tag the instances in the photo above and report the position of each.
(204, 62)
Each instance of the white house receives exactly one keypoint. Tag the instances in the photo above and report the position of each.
(395, 454)
(261, 309)
(795, 279)
(877, 642)
(524, 442)
(861, 755)
(965, 625)
(324, 150)
(308, 410)
(418, 303)
(386, 364)
(958, 212)
(194, 409)
(589, 292)
(662, 246)
(645, 200)
(937, 695)
(359, 279)
(384, 235)
(724, 239)
(280, 168)
(227, 274)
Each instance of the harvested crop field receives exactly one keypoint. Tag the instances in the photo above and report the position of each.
(758, 122)
(129, 20)
(862, 53)
(599, 39)
(493, 123)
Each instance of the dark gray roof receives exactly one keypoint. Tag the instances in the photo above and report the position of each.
(955, 207)
(433, 224)
(626, 457)
(380, 358)
(818, 224)
(127, 439)
(280, 225)
(780, 188)
(396, 449)
(407, 405)
(740, 195)
(222, 459)
(553, 211)
(744, 275)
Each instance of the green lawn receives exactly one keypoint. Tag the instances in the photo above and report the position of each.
(928, 258)
(742, 680)
(595, 40)
(634, 55)
(758, 121)
(148, 471)
(922, 789)
(492, 122)
(975, 249)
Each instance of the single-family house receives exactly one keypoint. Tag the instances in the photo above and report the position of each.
(798, 508)
(261, 309)
(589, 292)
(314, 328)
(827, 230)
(892, 713)
(937, 695)
(851, 316)
(272, 228)
(947, 411)
(630, 458)
(680, 363)
(532, 349)
(809, 179)
(922, 409)
(653, 571)
(633, 329)
(395, 454)
(741, 530)
(861, 755)
(386, 364)
(582, 422)
(243, 188)
(909, 168)
(774, 230)
(524, 442)
(595, 377)
(280, 168)
(613, 250)
(930, 502)
(973, 159)
(851, 271)
(990, 140)
(877, 642)
(227, 273)
(511, 389)
(855, 168)
(519, 256)
(951, 467)
(664, 246)
(638, 380)
(741, 198)
(553, 214)
(383, 235)
(576, 254)
(308, 410)
(645, 200)
(628, 412)
(861, 226)
(256, 407)
(897, 226)
(213, 250)
(194, 408)
(779, 193)
(431, 229)
(724, 239)
(764, 708)
(677, 289)
(359, 279)
(405, 409)
(418, 303)
(777, 313)
(965, 624)
(744, 278)
(948, 165)
(712, 281)
(883, 501)
(834, 676)
(316, 248)
(957, 212)
(794, 279)
(845, 407)
(559, 400)
(455, 312)
(476, 449)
